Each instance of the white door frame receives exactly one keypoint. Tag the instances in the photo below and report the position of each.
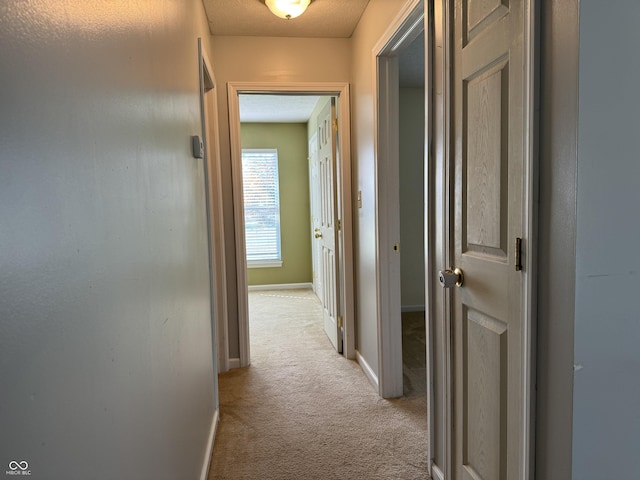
(213, 201)
(210, 137)
(439, 340)
(341, 91)
(403, 30)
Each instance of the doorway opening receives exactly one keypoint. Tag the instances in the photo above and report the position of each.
(337, 97)
(401, 164)
(288, 154)
(411, 161)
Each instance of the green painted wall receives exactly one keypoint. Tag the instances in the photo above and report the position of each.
(290, 139)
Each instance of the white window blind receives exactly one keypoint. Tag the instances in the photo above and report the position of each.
(261, 206)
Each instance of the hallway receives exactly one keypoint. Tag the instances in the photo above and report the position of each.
(303, 411)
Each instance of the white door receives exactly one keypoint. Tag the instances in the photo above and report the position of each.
(327, 231)
(491, 103)
(316, 213)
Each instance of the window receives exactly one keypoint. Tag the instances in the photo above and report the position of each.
(261, 207)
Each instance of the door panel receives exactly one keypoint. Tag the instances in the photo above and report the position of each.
(487, 164)
(315, 203)
(328, 219)
(488, 188)
(484, 403)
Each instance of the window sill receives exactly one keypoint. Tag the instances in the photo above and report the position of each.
(265, 264)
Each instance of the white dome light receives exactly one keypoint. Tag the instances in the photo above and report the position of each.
(287, 8)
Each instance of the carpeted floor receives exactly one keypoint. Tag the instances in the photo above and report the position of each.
(301, 411)
(414, 358)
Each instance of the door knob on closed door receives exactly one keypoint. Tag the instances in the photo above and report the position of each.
(451, 278)
(318, 235)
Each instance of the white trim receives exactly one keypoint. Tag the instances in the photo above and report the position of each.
(281, 286)
(215, 233)
(206, 464)
(234, 363)
(440, 225)
(429, 225)
(413, 308)
(407, 25)
(340, 90)
(436, 473)
(368, 371)
(530, 235)
(264, 264)
(238, 221)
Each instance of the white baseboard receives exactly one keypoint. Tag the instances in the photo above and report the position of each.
(281, 286)
(206, 464)
(436, 473)
(234, 363)
(368, 371)
(412, 308)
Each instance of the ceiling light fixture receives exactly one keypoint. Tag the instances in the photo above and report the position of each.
(287, 8)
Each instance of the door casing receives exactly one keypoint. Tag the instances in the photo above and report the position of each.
(341, 91)
(403, 30)
(209, 115)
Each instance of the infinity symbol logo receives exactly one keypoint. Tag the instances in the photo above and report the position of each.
(23, 465)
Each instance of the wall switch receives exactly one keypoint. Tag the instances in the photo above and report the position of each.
(197, 146)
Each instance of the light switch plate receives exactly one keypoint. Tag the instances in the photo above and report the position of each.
(197, 146)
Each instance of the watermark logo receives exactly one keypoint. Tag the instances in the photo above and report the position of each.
(18, 468)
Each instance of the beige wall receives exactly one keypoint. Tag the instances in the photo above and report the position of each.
(274, 60)
(105, 320)
(290, 139)
(372, 26)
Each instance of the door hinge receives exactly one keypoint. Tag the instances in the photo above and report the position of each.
(340, 321)
(335, 124)
(339, 224)
(518, 254)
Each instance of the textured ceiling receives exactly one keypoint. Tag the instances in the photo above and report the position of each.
(277, 108)
(323, 18)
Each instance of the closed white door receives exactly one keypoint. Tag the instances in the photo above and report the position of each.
(327, 231)
(490, 108)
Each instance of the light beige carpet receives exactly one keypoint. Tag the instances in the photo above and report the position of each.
(301, 411)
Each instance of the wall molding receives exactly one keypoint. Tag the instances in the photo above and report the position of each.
(557, 220)
(436, 473)
(206, 464)
(413, 308)
(368, 371)
(215, 230)
(281, 286)
(234, 363)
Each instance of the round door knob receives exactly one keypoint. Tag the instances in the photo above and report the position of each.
(451, 278)
(318, 235)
